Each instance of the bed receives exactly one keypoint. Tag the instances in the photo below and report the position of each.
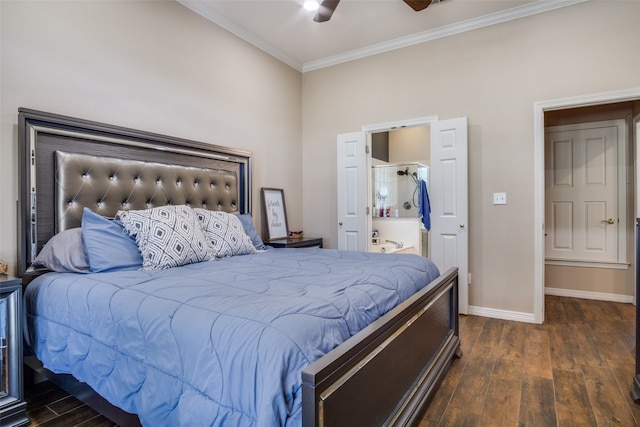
(251, 336)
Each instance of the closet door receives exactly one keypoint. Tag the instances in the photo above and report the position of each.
(585, 199)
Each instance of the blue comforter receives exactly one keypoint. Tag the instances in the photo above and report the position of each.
(219, 342)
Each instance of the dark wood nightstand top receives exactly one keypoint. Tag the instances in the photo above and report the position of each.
(305, 242)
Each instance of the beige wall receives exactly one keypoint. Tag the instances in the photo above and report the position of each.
(493, 76)
(149, 65)
(410, 145)
(611, 283)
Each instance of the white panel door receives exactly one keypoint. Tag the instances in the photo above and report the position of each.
(449, 201)
(582, 191)
(352, 191)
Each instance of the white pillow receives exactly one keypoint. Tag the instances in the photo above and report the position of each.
(167, 236)
(225, 232)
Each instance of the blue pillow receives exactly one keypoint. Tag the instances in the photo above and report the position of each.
(109, 247)
(250, 230)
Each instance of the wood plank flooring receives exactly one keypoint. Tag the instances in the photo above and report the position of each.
(574, 370)
(49, 406)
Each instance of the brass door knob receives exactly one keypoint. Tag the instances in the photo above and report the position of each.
(609, 221)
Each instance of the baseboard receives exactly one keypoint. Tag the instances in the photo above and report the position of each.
(502, 314)
(601, 296)
(530, 317)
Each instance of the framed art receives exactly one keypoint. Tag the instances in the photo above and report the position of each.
(274, 214)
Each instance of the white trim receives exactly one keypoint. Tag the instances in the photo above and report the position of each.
(538, 163)
(410, 123)
(441, 32)
(204, 9)
(538, 214)
(635, 138)
(588, 264)
(600, 296)
(531, 318)
(502, 314)
(635, 143)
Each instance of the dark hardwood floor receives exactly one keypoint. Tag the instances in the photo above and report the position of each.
(574, 370)
(49, 406)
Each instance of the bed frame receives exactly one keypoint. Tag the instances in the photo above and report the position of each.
(384, 375)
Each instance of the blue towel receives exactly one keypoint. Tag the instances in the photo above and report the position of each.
(424, 210)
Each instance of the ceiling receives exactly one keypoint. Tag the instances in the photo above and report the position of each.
(358, 28)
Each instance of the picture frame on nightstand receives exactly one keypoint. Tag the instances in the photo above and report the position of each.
(274, 214)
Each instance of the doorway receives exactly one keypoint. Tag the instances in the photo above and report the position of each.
(589, 203)
(597, 102)
(400, 160)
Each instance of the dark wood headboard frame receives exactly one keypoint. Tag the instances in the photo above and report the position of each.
(42, 136)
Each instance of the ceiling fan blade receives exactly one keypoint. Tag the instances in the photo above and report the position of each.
(418, 5)
(326, 9)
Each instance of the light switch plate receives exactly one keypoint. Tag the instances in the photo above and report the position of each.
(499, 198)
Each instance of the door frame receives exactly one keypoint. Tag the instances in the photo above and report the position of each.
(386, 127)
(635, 140)
(539, 108)
(411, 123)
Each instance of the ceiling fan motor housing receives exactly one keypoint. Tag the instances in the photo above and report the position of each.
(327, 7)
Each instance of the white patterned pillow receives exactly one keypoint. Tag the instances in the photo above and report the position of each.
(167, 236)
(225, 233)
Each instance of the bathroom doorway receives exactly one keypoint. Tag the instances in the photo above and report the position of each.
(400, 160)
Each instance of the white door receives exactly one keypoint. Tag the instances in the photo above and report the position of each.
(449, 203)
(352, 191)
(585, 192)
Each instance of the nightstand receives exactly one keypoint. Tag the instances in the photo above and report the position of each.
(12, 405)
(305, 242)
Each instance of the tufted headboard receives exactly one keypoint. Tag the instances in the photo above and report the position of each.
(67, 164)
(107, 185)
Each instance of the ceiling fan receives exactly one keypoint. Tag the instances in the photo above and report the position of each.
(327, 7)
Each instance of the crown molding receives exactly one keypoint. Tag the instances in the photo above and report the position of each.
(202, 8)
(440, 32)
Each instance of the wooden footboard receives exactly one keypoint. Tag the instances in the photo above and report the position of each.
(387, 373)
